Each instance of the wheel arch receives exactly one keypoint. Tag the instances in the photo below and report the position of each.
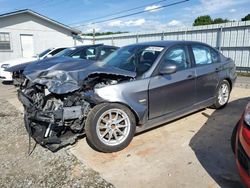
(230, 83)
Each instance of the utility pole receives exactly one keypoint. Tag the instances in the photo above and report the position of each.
(93, 36)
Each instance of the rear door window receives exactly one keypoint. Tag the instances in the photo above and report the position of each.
(215, 56)
(202, 55)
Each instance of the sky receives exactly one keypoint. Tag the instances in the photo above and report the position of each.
(77, 13)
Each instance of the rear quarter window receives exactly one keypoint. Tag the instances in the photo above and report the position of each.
(216, 56)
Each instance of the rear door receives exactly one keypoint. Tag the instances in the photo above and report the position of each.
(207, 71)
(173, 92)
(27, 45)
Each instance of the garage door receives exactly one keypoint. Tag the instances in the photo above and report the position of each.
(27, 45)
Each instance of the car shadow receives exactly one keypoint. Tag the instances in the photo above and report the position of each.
(7, 82)
(212, 147)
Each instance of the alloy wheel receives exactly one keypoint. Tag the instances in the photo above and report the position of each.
(223, 94)
(113, 127)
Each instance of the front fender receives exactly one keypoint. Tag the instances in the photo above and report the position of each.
(134, 94)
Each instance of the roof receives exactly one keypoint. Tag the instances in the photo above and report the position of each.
(94, 45)
(28, 11)
(166, 43)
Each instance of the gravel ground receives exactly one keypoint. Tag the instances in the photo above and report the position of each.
(43, 168)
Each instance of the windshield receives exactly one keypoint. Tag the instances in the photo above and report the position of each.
(44, 52)
(136, 58)
(65, 52)
(79, 53)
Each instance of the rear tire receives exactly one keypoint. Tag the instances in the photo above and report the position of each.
(110, 127)
(222, 95)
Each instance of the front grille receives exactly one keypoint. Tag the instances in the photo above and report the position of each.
(243, 158)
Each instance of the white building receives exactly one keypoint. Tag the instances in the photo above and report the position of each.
(25, 33)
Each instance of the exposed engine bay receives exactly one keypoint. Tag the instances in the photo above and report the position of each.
(57, 102)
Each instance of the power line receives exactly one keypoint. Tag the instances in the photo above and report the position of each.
(135, 13)
(119, 12)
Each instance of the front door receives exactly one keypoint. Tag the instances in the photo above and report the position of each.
(173, 92)
(27, 45)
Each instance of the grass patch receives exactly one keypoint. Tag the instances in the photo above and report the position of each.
(245, 74)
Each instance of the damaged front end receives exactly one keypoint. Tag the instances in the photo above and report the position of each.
(54, 120)
(57, 102)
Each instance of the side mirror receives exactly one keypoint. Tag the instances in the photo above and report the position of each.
(168, 68)
(49, 55)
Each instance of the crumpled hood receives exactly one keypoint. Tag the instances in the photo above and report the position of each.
(63, 74)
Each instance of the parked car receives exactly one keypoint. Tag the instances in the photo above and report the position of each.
(91, 52)
(241, 145)
(94, 52)
(136, 88)
(7, 76)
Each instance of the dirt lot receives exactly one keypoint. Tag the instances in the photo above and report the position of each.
(193, 151)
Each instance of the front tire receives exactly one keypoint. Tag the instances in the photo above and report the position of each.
(222, 95)
(110, 127)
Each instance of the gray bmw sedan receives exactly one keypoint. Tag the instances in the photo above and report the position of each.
(136, 88)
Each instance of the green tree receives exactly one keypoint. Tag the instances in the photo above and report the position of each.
(247, 17)
(104, 33)
(203, 20)
(207, 20)
(220, 20)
